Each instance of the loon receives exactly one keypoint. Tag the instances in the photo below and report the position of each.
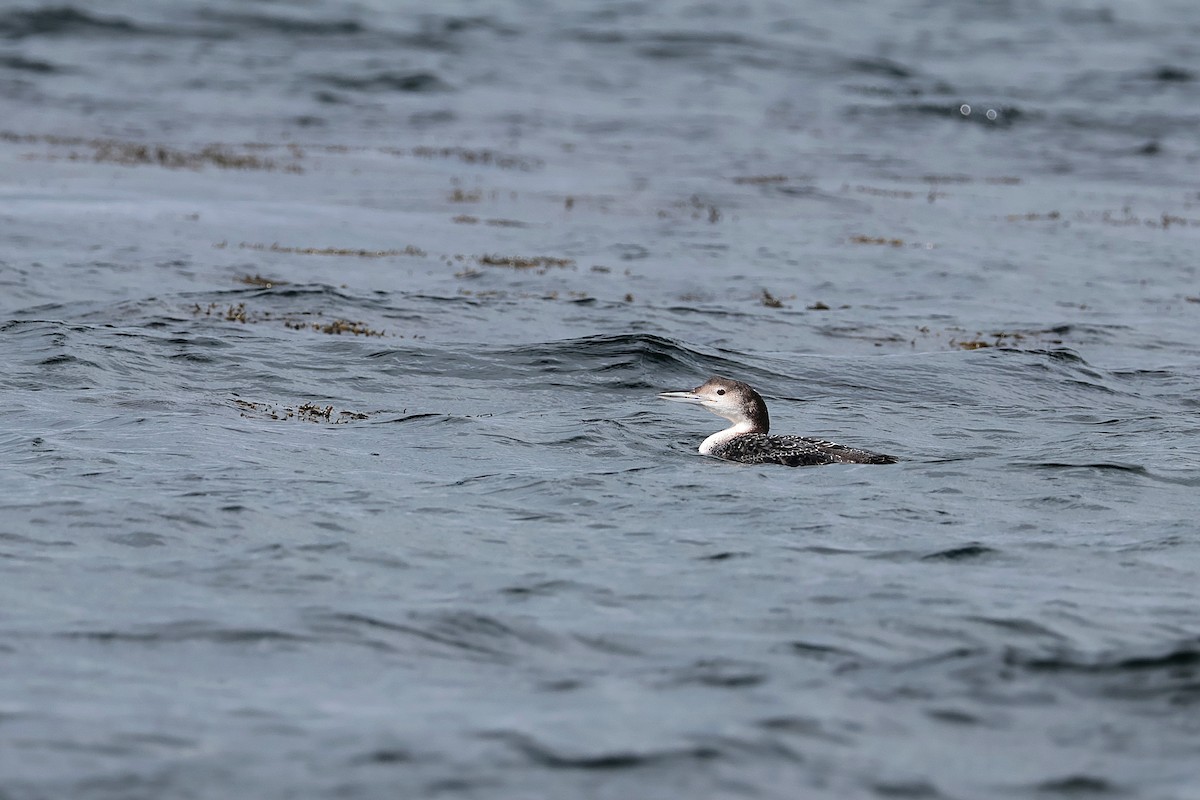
(747, 440)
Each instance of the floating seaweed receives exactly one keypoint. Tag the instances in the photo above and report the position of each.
(408, 250)
(770, 301)
(861, 239)
(520, 262)
(297, 321)
(305, 412)
(230, 156)
(260, 281)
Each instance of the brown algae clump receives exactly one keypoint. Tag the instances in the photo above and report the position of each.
(306, 412)
(408, 250)
(519, 262)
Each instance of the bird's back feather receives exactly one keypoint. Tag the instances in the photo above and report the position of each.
(794, 451)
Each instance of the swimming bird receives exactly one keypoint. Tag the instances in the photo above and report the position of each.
(747, 440)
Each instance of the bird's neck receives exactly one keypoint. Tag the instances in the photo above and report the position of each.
(723, 437)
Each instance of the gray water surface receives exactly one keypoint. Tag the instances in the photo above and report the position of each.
(332, 464)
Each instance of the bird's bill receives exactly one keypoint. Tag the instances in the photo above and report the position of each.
(682, 397)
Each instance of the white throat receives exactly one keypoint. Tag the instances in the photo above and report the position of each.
(722, 437)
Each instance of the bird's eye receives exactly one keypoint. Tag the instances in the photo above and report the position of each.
(720, 391)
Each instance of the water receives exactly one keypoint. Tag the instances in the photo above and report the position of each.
(329, 339)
